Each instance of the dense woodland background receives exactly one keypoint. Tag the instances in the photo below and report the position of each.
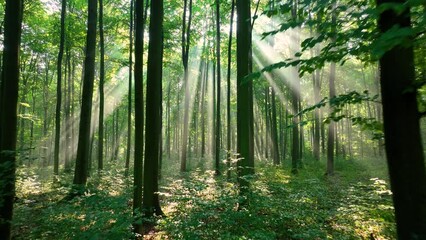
(202, 119)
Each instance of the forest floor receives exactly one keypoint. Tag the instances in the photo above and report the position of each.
(354, 204)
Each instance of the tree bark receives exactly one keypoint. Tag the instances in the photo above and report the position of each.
(403, 144)
(244, 95)
(228, 96)
(186, 33)
(218, 79)
(8, 112)
(81, 166)
(129, 97)
(58, 90)
(139, 115)
(151, 203)
(101, 88)
(332, 94)
(275, 148)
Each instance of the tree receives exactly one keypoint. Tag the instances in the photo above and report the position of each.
(58, 89)
(151, 203)
(83, 146)
(129, 97)
(274, 128)
(186, 34)
(8, 110)
(403, 144)
(228, 95)
(295, 102)
(218, 78)
(139, 117)
(244, 95)
(332, 94)
(101, 87)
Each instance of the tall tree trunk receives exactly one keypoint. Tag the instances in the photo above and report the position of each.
(68, 148)
(117, 135)
(139, 115)
(212, 135)
(186, 33)
(218, 79)
(45, 112)
(332, 94)
(101, 88)
(203, 110)
(404, 149)
(295, 93)
(129, 96)
(151, 203)
(80, 175)
(244, 95)
(228, 96)
(168, 140)
(8, 110)
(267, 123)
(275, 129)
(58, 90)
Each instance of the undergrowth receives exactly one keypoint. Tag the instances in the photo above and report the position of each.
(353, 204)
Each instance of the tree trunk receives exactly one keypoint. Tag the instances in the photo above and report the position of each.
(218, 79)
(186, 33)
(58, 90)
(151, 203)
(331, 126)
(101, 88)
(404, 149)
(129, 97)
(267, 122)
(80, 175)
(244, 95)
(139, 116)
(275, 129)
(68, 148)
(8, 110)
(332, 94)
(228, 96)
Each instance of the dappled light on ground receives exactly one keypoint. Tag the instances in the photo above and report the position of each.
(351, 205)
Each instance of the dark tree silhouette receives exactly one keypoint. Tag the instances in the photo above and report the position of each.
(8, 110)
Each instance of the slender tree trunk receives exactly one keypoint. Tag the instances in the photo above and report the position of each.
(267, 123)
(151, 203)
(168, 140)
(218, 79)
(139, 116)
(186, 33)
(80, 175)
(295, 93)
(274, 129)
(101, 88)
(203, 111)
(8, 110)
(228, 96)
(332, 94)
(68, 147)
(129, 97)
(117, 135)
(58, 90)
(404, 149)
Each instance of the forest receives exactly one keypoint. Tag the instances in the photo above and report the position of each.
(212, 119)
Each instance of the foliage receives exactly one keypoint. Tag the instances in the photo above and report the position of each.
(353, 36)
(307, 206)
(338, 104)
(102, 212)
(351, 205)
